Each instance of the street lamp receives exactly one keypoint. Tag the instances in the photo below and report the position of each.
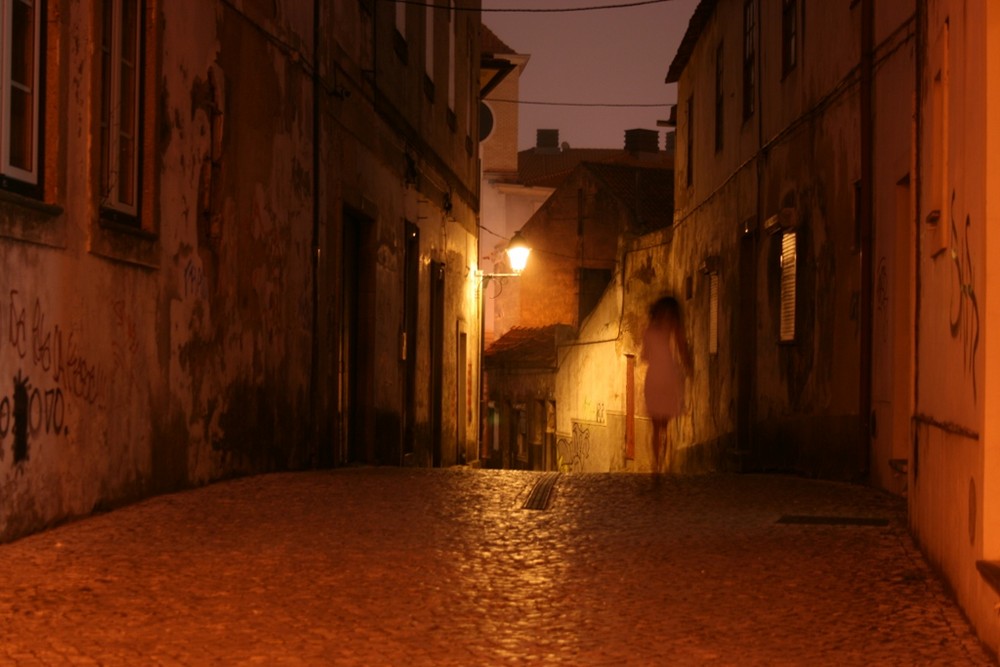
(517, 253)
(517, 256)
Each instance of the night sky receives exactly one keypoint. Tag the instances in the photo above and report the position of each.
(609, 56)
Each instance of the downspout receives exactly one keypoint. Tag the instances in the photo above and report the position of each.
(867, 226)
(313, 447)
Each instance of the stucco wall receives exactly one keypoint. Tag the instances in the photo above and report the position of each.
(791, 166)
(953, 471)
(190, 346)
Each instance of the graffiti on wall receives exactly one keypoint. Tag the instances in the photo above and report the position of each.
(574, 452)
(963, 308)
(30, 412)
(51, 369)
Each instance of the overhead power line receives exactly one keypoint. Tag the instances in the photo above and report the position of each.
(584, 104)
(534, 10)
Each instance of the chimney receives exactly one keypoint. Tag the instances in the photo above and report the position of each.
(642, 141)
(547, 141)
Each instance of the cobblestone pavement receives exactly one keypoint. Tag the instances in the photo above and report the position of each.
(377, 566)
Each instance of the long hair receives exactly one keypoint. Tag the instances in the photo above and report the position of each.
(665, 310)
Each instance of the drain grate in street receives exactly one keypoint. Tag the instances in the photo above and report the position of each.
(812, 520)
(541, 492)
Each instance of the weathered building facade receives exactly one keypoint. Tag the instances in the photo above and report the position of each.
(554, 401)
(235, 236)
(844, 194)
(778, 176)
(954, 440)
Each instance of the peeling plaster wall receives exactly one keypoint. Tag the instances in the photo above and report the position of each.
(238, 306)
(794, 161)
(395, 159)
(136, 360)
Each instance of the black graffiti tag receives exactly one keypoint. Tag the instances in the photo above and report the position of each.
(29, 413)
(964, 306)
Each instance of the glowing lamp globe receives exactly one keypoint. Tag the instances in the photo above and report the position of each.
(517, 253)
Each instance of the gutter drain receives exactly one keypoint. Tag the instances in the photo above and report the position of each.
(541, 492)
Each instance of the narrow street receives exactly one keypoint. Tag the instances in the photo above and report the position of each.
(386, 566)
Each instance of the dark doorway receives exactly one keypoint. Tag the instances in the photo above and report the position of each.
(745, 345)
(411, 299)
(437, 357)
(357, 332)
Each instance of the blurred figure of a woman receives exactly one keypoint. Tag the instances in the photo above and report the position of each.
(665, 349)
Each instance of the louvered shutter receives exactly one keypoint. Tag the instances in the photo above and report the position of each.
(788, 286)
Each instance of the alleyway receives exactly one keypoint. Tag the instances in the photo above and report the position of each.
(445, 567)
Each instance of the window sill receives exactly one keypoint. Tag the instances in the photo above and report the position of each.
(31, 221)
(125, 244)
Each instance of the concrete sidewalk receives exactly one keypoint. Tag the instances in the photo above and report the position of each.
(387, 566)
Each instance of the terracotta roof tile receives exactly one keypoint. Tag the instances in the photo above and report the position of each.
(527, 347)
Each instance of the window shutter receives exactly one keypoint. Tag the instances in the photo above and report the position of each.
(788, 261)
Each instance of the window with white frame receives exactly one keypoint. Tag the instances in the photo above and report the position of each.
(20, 78)
(788, 286)
(121, 34)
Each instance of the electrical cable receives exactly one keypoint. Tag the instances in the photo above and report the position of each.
(533, 10)
(626, 105)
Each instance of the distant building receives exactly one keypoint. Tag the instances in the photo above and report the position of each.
(577, 238)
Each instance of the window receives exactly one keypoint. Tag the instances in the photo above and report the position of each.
(690, 141)
(20, 78)
(749, 56)
(120, 37)
(788, 261)
(789, 35)
(719, 100)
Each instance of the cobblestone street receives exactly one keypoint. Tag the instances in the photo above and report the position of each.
(386, 566)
